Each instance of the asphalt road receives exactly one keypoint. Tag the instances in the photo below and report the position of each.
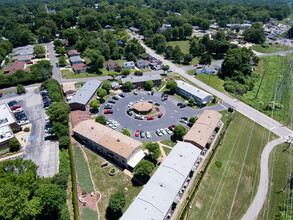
(171, 114)
(42, 153)
(53, 59)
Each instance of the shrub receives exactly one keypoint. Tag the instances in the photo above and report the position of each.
(218, 164)
(208, 145)
(112, 170)
(27, 129)
(230, 110)
(13, 145)
(217, 129)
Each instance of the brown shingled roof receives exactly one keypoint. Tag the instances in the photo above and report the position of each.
(79, 116)
(18, 65)
(107, 137)
(78, 66)
(72, 52)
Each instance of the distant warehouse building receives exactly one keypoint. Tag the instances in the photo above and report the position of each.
(164, 190)
(124, 150)
(84, 95)
(187, 91)
(139, 81)
(203, 130)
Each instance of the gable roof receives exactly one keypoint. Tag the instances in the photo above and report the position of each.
(112, 64)
(85, 93)
(135, 79)
(130, 63)
(79, 66)
(75, 59)
(107, 137)
(156, 198)
(192, 89)
(25, 50)
(18, 65)
(72, 52)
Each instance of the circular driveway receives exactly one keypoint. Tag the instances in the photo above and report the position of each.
(171, 114)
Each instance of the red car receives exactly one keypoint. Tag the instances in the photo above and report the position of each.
(1, 94)
(29, 63)
(137, 133)
(108, 112)
(171, 127)
(166, 95)
(150, 118)
(15, 107)
(195, 65)
(160, 115)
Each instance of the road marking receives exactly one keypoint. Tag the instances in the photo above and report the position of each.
(273, 128)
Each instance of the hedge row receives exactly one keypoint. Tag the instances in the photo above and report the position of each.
(183, 215)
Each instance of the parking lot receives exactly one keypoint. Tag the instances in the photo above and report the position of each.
(171, 114)
(42, 153)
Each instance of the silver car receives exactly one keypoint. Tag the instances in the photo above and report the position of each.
(159, 133)
(163, 131)
(148, 134)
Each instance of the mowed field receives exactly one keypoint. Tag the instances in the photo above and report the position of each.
(280, 164)
(229, 190)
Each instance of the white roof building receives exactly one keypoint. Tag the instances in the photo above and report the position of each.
(162, 190)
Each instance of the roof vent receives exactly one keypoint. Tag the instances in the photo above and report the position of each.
(92, 128)
(180, 155)
(118, 140)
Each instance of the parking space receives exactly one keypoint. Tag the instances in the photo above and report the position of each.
(171, 115)
(43, 153)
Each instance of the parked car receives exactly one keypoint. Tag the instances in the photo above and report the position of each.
(179, 104)
(23, 122)
(15, 107)
(139, 117)
(137, 133)
(17, 110)
(171, 127)
(116, 97)
(108, 112)
(152, 93)
(168, 131)
(183, 121)
(12, 103)
(108, 107)
(47, 99)
(44, 92)
(130, 104)
(160, 115)
(150, 101)
(112, 101)
(142, 134)
(159, 133)
(17, 113)
(163, 131)
(1, 94)
(183, 105)
(150, 118)
(47, 104)
(148, 134)
(185, 118)
(129, 112)
(48, 130)
(157, 104)
(122, 95)
(28, 63)
(164, 98)
(149, 92)
(21, 116)
(135, 93)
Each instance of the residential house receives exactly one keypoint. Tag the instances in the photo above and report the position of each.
(25, 58)
(115, 85)
(18, 65)
(72, 53)
(79, 68)
(112, 65)
(160, 196)
(134, 30)
(75, 59)
(142, 63)
(187, 91)
(139, 81)
(124, 150)
(203, 131)
(68, 90)
(128, 65)
(206, 69)
(84, 95)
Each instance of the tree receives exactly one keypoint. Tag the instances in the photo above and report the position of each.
(187, 58)
(188, 29)
(64, 142)
(95, 104)
(144, 167)
(138, 73)
(131, 57)
(62, 61)
(125, 72)
(154, 150)
(179, 132)
(149, 84)
(172, 86)
(181, 33)
(255, 34)
(165, 68)
(101, 93)
(192, 120)
(39, 51)
(175, 32)
(127, 86)
(14, 145)
(20, 89)
(159, 43)
(126, 132)
(117, 201)
(191, 101)
(107, 86)
(58, 112)
(205, 59)
(205, 24)
(95, 56)
(101, 119)
(58, 43)
(113, 75)
(177, 54)
(60, 129)
(169, 52)
(60, 50)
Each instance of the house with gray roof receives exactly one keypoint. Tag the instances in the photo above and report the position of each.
(75, 60)
(128, 65)
(142, 63)
(165, 189)
(139, 81)
(25, 58)
(84, 95)
(115, 85)
(25, 50)
(134, 30)
(206, 69)
(187, 91)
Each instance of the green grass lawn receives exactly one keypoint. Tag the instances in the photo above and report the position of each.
(276, 67)
(191, 72)
(83, 174)
(279, 175)
(67, 74)
(107, 184)
(167, 150)
(79, 84)
(212, 80)
(215, 195)
(88, 214)
(168, 142)
(272, 48)
(183, 44)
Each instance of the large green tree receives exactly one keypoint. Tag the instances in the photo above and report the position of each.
(149, 84)
(39, 51)
(154, 150)
(172, 86)
(58, 112)
(179, 132)
(117, 201)
(144, 168)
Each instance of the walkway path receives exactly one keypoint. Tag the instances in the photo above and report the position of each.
(259, 199)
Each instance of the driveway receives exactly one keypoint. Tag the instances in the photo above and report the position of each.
(171, 114)
(53, 60)
(43, 153)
